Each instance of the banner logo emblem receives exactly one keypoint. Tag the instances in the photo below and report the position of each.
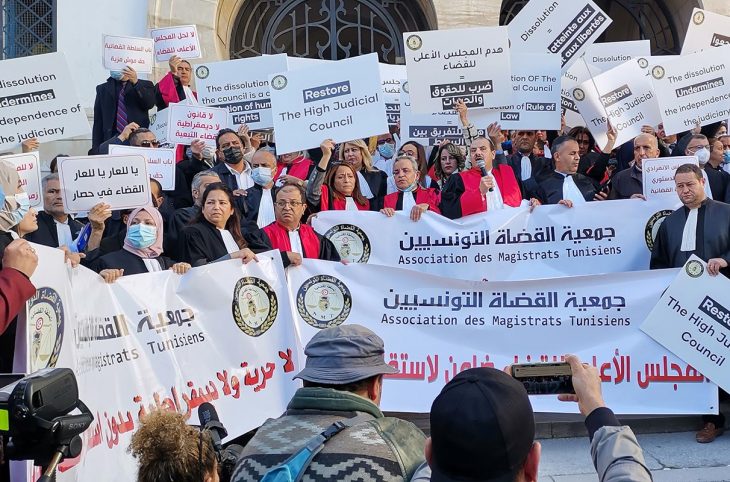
(255, 306)
(279, 82)
(323, 301)
(643, 63)
(652, 227)
(658, 72)
(579, 95)
(45, 318)
(699, 17)
(202, 72)
(414, 42)
(351, 242)
(694, 268)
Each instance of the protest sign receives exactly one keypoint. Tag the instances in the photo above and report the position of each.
(658, 176)
(135, 52)
(340, 100)
(446, 65)
(241, 86)
(186, 123)
(160, 162)
(390, 79)
(536, 95)
(576, 74)
(158, 125)
(705, 30)
(607, 55)
(692, 320)
(435, 327)
(625, 95)
(182, 41)
(564, 27)
(29, 170)
(693, 88)
(38, 99)
(120, 181)
(507, 244)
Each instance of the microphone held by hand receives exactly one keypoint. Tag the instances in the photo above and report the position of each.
(483, 168)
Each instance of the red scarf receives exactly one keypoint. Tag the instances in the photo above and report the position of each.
(337, 204)
(279, 237)
(298, 168)
(423, 196)
(472, 200)
(168, 91)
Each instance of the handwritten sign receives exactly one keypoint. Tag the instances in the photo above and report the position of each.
(158, 125)
(134, 52)
(38, 99)
(693, 88)
(241, 86)
(692, 320)
(339, 100)
(182, 41)
(120, 181)
(187, 123)
(28, 166)
(390, 77)
(706, 30)
(160, 162)
(607, 55)
(565, 27)
(658, 176)
(623, 95)
(446, 65)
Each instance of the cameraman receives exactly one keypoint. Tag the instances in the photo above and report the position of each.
(169, 449)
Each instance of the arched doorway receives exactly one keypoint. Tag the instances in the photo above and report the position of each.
(663, 22)
(328, 29)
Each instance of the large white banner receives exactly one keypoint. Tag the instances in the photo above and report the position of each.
(340, 100)
(508, 244)
(38, 99)
(705, 30)
(160, 162)
(241, 86)
(135, 52)
(565, 27)
(436, 327)
(28, 166)
(447, 65)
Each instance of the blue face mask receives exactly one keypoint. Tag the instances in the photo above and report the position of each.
(116, 74)
(23, 207)
(142, 236)
(262, 175)
(410, 187)
(726, 156)
(386, 150)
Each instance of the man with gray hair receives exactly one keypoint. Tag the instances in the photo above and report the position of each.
(336, 416)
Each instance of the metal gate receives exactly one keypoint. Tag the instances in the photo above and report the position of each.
(28, 27)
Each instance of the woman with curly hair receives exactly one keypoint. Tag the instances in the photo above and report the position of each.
(450, 159)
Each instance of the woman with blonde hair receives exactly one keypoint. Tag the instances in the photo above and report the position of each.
(335, 187)
(373, 182)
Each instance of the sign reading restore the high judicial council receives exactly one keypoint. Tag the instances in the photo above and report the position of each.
(340, 100)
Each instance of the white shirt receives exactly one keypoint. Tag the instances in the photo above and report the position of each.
(350, 204)
(228, 240)
(243, 179)
(152, 265)
(494, 198)
(266, 209)
(570, 190)
(296, 242)
(409, 200)
(63, 230)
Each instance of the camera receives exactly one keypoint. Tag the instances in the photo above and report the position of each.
(544, 378)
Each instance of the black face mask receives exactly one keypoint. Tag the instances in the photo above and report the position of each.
(232, 155)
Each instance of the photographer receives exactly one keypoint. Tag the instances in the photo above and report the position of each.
(169, 449)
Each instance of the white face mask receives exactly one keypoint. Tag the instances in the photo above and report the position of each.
(703, 155)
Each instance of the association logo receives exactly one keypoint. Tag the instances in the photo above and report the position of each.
(414, 42)
(279, 82)
(699, 17)
(578, 94)
(643, 63)
(694, 268)
(202, 72)
(323, 301)
(351, 242)
(255, 305)
(46, 318)
(652, 227)
(658, 72)
(405, 88)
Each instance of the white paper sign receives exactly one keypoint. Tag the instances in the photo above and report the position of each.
(575, 75)
(536, 95)
(607, 55)
(134, 52)
(120, 181)
(182, 41)
(38, 99)
(160, 162)
(658, 176)
(158, 125)
(241, 86)
(692, 319)
(565, 27)
(390, 78)
(339, 100)
(693, 88)
(187, 123)
(29, 170)
(446, 65)
(625, 95)
(706, 29)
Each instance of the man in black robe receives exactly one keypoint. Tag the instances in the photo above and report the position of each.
(716, 183)
(258, 203)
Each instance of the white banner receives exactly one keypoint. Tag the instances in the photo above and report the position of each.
(134, 52)
(120, 181)
(566, 27)
(241, 86)
(160, 162)
(38, 99)
(339, 100)
(693, 88)
(625, 95)
(29, 170)
(607, 55)
(390, 79)
(446, 65)
(658, 176)
(186, 123)
(578, 73)
(504, 245)
(436, 327)
(705, 30)
(182, 41)
(692, 320)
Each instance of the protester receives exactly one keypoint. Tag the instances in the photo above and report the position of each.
(416, 151)
(343, 382)
(373, 182)
(725, 140)
(259, 200)
(294, 167)
(450, 159)
(629, 184)
(174, 87)
(234, 171)
(483, 429)
(337, 188)
(19, 262)
(385, 151)
(410, 197)
(592, 163)
(716, 184)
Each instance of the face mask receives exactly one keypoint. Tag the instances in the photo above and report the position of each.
(386, 150)
(142, 236)
(232, 155)
(262, 175)
(726, 156)
(23, 207)
(703, 155)
(410, 187)
(116, 74)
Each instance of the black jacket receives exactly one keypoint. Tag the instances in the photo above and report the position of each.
(550, 189)
(129, 262)
(201, 243)
(46, 233)
(251, 207)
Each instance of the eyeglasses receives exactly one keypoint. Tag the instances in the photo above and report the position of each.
(149, 143)
(389, 140)
(292, 204)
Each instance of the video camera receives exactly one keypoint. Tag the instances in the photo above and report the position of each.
(34, 415)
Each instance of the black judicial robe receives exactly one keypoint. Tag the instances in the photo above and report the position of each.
(713, 236)
(378, 183)
(259, 241)
(719, 185)
(46, 234)
(550, 189)
(174, 229)
(201, 243)
(251, 204)
(129, 262)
